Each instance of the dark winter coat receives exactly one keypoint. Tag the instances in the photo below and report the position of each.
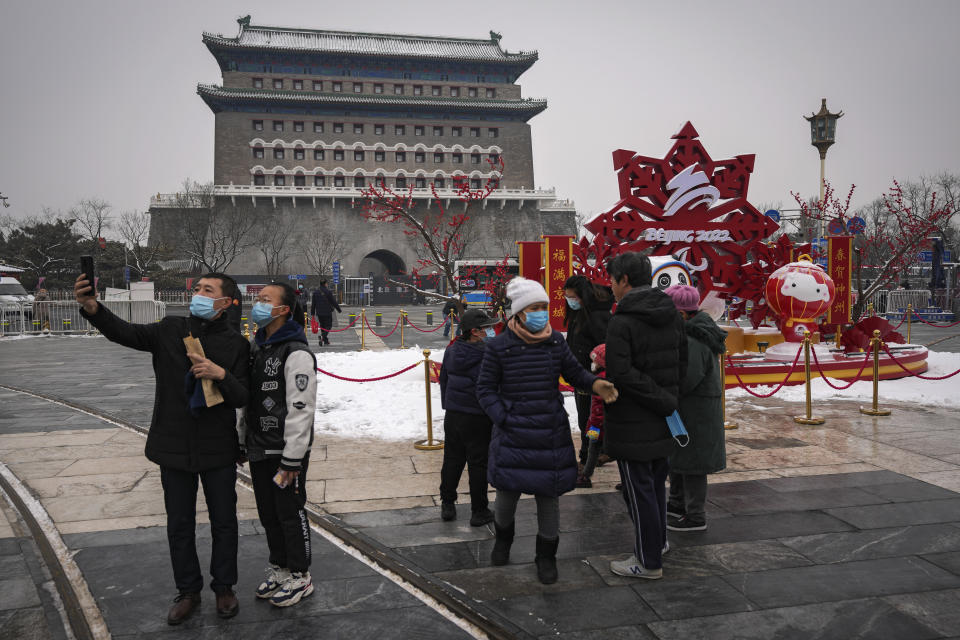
(700, 394)
(177, 439)
(531, 449)
(646, 360)
(323, 303)
(450, 307)
(583, 336)
(458, 376)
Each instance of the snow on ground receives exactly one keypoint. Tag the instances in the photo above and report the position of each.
(392, 409)
(395, 409)
(939, 393)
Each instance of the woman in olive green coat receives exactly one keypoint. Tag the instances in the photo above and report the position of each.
(701, 413)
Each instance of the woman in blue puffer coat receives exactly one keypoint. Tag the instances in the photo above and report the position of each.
(531, 449)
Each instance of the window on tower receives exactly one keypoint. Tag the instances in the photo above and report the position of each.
(438, 182)
(299, 181)
(401, 182)
(438, 131)
(358, 155)
(456, 132)
(401, 156)
(472, 92)
(358, 87)
(298, 85)
(437, 158)
(418, 130)
(378, 88)
(398, 89)
(454, 92)
(474, 183)
(359, 182)
(493, 132)
(319, 181)
(318, 154)
(357, 128)
(298, 154)
(278, 83)
(278, 153)
(399, 130)
(474, 132)
(458, 158)
(379, 156)
(258, 180)
(419, 157)
(338, 154)
(491, 93)
(297, 125)
(421, 183)
(318, 85)
(474, 158)
(279, 180)
(417, 90)
(258, 83)
(378, 129)
(337, 87)
(338, 127)
(258, 152)
(258, 125)
(434, 90)
(318, 127)
(338, 181)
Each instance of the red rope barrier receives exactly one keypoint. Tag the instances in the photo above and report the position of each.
(397, 324)
(793, 368)
(389, 375)
(352, 322)
(914, 373)
(938, 326)
(437, 328)
(866, 358)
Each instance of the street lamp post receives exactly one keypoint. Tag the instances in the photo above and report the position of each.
(823, 130)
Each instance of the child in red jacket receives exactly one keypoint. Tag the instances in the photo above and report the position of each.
(598, 358)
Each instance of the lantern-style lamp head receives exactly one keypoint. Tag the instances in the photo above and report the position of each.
(823, 128)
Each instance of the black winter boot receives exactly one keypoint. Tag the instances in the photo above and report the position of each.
(501, 548)
(546, 560)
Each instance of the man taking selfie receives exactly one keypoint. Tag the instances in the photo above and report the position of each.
(201, 368)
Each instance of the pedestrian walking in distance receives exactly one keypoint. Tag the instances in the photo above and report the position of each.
(193, 434)
(646, 360)
(531, 449)
(701, 412)
(322, 304)
(466, 427)
(278, 436)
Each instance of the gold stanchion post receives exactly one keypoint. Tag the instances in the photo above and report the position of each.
(809, 418)
(870, 309)
(909, 321)
(875, 410)
(723, 394)
(363, 329)
(403, 321)
(246, 330)
(429, 444)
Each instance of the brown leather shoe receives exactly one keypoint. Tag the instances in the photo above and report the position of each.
(227, 604)
(183, 606)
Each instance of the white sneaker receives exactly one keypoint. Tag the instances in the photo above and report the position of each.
(631, 568)
(666, 547)
(295, 588)
(276, 576)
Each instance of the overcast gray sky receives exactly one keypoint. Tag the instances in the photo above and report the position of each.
(99, 96)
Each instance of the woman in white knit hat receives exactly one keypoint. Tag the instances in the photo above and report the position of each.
(531, 449)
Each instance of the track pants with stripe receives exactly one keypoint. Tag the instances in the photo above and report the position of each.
(644, 491)
(282, 515)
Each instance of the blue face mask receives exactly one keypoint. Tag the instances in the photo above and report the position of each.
(573, 303)
(536, 320)
(262, 313)
(490, 332)
(202, 307)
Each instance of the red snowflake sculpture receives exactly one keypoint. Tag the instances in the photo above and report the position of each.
(686, 205)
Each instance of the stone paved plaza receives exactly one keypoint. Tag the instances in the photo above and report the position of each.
(849, 529)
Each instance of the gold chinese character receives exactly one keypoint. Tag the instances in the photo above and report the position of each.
(557, 313)
(559, 274)
(560, 255)
(840, 254)
(558, 293)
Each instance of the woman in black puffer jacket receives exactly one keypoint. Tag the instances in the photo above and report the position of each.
(586, 318)
(531, 450)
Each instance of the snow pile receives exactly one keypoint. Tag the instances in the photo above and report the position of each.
(939, 393)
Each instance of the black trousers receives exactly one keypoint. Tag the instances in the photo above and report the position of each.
(282, 515)
(644, 491)
(325, 323)
(583, 416)
(466, 441)
(180, 500)
(688, 495)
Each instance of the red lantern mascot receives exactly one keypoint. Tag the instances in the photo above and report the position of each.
(799, 292)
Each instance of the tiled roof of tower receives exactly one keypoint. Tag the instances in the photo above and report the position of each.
(383, 44)
(529, 105)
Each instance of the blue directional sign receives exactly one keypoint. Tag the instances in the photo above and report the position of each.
(836, 227)
(927, 256)
(126, 274)
(773, 214)
(856, 225)
(336, 273)
(297, 277)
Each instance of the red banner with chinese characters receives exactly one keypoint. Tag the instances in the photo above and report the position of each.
(557, 252)
(839, 268)
(530, 258)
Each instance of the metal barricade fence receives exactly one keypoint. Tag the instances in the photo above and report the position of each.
(357, 291)
(56, 316)
(898, 300)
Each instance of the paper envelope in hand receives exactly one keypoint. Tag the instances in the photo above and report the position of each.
(210, 391)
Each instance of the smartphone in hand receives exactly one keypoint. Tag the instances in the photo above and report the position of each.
(86, 267)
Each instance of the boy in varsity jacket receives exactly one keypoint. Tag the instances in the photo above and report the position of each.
(279, 433)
